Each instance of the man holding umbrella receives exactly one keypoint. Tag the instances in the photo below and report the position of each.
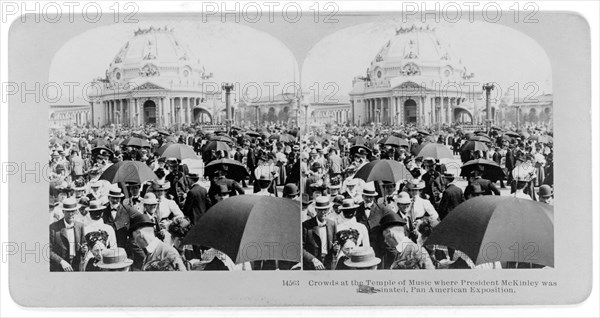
(487, 186)
(451, 197)
(197, 200)
(433, 182)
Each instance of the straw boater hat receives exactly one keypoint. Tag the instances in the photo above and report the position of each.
(95, 205)
(114, 259)
(115, 192)
(348, 204)
(369, 190)
(323, 202)
(70, 204)
(362, 257)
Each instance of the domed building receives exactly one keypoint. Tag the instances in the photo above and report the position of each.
(154, 79)
(415, 78)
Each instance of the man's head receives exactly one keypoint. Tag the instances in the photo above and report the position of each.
(429, 164)
(414, 188)
(322, 207)
(348, 208)
(134, 188)
(115, 194)
(69, 208)
(369, 194)
(393, 230)
(142, 230)
(403, 201)
(150, 203)
(222, 192)
(96, 209)
(388, 188)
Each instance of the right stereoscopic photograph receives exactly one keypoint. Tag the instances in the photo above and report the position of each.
(430, 146)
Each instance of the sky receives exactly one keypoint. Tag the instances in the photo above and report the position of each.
(495, 53)
(241, 54)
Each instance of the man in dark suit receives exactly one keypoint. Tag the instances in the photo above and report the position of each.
(370, 213)
(67, 240)
(178, 180)
(451, 197)
(119, 217)
(196, 201)
(487, 186)
(433, 184)
(318, 237)
(220, 179)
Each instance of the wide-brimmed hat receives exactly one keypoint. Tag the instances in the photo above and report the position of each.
(545, 190)
(290, 189)
(415, 185)
(140, 221)
(115, 192)
(114, 258)
(161, 185)
(323, 202)
(95, 205)
(150, 199)
(391, 219)
(348, 204)
(362, 257)
(402, 198)
(70, 204)
(353, 182)
(193, 176)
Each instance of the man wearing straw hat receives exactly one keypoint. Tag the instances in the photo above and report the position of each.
(318, 237)
(67, 240)
(119, 218)
(363, 258)
(114, 260)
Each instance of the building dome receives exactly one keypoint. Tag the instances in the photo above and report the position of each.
(418, 55)
(155, 55)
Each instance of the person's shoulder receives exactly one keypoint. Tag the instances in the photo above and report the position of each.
(56, 225)
(312, 222)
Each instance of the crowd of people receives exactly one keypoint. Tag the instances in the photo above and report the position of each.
(353, 222)
(98, 222)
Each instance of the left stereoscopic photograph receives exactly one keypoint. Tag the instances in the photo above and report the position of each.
(158, 165)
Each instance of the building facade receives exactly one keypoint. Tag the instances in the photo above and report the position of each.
(62, 114)
(415, 78)
(155, 79)
(528, 110)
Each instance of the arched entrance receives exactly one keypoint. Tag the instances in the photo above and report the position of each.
(149, 112)
(410, 111)
(462, 116)
(202, 116)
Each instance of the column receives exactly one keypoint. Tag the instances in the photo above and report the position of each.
(189, 110)
(450, 109)
(183, 111)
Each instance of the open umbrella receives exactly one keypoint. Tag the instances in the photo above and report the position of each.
(252, 133)
(383, 170)
(512, 134)
(136, 142)
(435, 150)
(216, 146)
(474, 146)
(250, 228)
(357, 141)
(179, 151)
(233, 167)
(128, 171)
(357, 148)
(102, 151)
(423, 132)
(498, 228)
(395, 141)
(491, 170)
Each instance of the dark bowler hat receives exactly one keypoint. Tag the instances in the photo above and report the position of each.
(391, 219)
(306, 200)
(140, 221)
(290, 189)
(448, 175)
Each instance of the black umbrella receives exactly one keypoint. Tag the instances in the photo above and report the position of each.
(251, 228)
(234, 168)
(491, 170)
(474, 146)
(383, 170)
(395, 141)
(517, 230)
(358, 148)
(128, 171)
(216, 146)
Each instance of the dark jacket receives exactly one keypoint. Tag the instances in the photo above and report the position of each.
(451, 197)
(312, 243)
(59, 245)
(196, 203)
